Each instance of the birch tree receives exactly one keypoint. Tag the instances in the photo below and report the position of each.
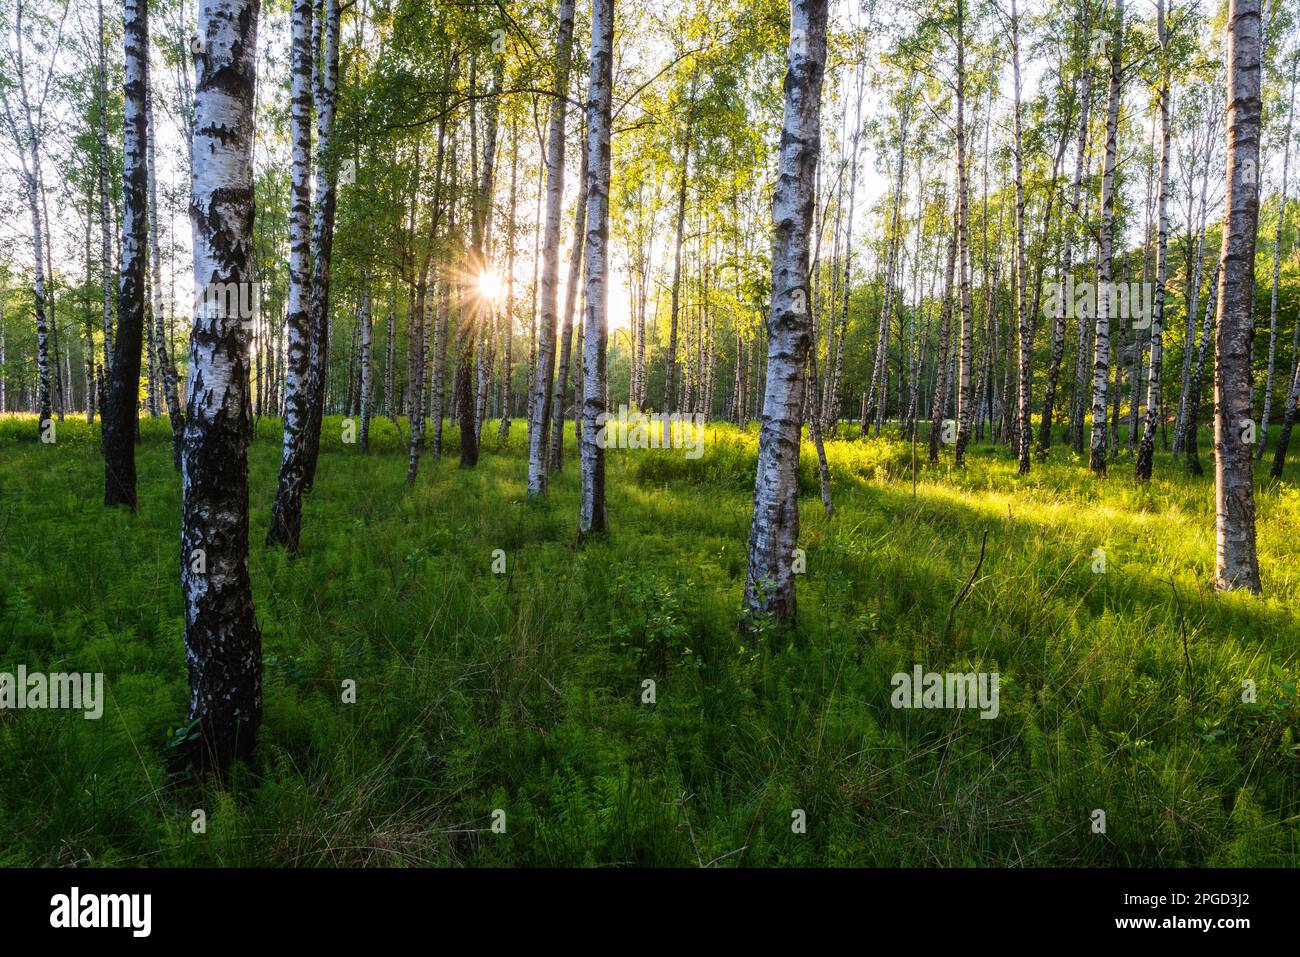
(1191, 441)
(1154, 412)
(503, 429)
(943, 364)
(1236, 564)
(105, 207)
(774, 532)
(670, 381)
(163, 359)
(592, 517)
(1101, 345)
(561, 395)
(286, 512)
(124, 375)
(1207, 132)
(26, 121)
(365, 360)
(1022, 320)
(223, 645)
(966, 343)
(1277, 266)
(1289, 414)
(1083, 85)
(539, 420)
(325, 96)
(480, 330)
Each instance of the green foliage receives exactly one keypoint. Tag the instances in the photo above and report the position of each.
(522, 691)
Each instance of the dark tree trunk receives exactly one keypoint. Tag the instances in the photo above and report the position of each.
(222, 642)
(124, 376)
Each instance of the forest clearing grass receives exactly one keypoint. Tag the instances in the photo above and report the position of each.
(523, 691)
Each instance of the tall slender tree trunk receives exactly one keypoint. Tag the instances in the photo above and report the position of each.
(124, 378)
(166, 365)
(1193, 300)
(507, 361)
(830, 407)
(28, 145)
(1023, 430)
(108, 273)
(1277, 267)
(286, 511)
(1236, 563)
(418, 346)
(223, 645)
(966, 340)
(485, 318)
(1083, 84)
(592, 517)
(566, 334)
(1155, 412)
(880, 373)
(670, 378)
(1101, 345)
(418, 360)
(322, 237)
(943, 363)
(1190, 438)
(529, 384)
(390, 356)
(539, 424)
(774, 533)
(367, 376)
(1289, 415)
(440, 409)
(1083, 347)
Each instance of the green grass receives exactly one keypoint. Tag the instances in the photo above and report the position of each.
(476, 691)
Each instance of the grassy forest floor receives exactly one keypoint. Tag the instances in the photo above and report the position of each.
(1120, 691)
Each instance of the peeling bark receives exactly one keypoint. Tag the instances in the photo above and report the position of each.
(1101, 344)
(223, 645)
(286, 512)
(774, 534)
(1236, 563)
(592, 517)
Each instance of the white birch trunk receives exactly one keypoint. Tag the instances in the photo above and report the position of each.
(322, 233)
(561, 395)
(1277, 267)
(1084, 85)
(774, 533)
(163, 360)
(966, 339)
(222, 640)
(539, 420)
(367, 377)
(286, 512)
(1022, 319)
(1146, 449)
(592, 517)
(1101, 346)
(1236, 563)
